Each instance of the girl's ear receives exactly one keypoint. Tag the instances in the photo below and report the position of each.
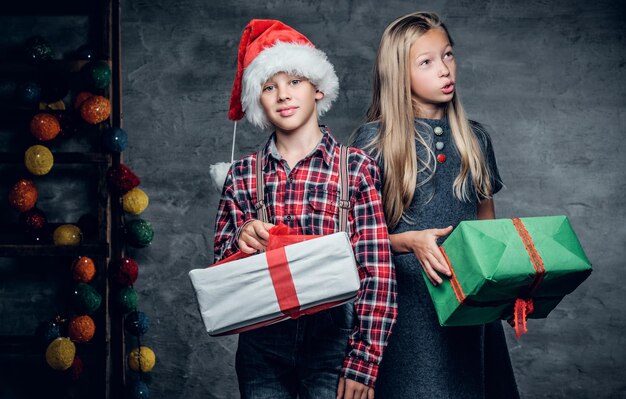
(318, 95)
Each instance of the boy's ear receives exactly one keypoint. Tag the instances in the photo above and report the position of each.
(318, 95)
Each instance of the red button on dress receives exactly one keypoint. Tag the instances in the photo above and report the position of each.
(441, 158)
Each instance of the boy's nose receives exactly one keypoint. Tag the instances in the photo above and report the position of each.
(283, 93)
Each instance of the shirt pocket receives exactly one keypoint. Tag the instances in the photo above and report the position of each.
(321, 211)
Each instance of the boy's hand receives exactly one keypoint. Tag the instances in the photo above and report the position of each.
(350, 389)
(423, 243)
(254, 236)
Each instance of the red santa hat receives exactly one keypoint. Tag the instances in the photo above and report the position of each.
(266, 48)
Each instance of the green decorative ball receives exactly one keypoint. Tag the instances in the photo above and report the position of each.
(139, 233)
(86, 299)
(97, 74)
(127, 299)
(38, 49)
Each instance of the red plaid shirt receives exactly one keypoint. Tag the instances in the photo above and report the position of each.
(306, 199)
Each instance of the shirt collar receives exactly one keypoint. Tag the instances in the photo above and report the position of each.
(325, 148)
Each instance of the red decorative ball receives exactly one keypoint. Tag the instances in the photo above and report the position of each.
(126, 272)
(23, 195)
(76, 369)
(44, 126)
(441, 158)
(81, 329)
(121, 179)
(81, 97)
(83, 269)
(95, 109)
(33, 221)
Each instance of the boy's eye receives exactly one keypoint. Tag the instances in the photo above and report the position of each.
(268, 88)
(295, 81)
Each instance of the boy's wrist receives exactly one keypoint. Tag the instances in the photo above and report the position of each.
(360, 371)
(239, 230)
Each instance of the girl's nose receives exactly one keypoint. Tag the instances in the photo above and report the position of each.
(444, 70)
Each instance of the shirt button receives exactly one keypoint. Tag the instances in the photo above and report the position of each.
(438, 131)
(288, 218)
(291, 180)
(439, 145)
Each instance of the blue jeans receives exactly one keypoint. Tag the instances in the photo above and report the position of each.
(295, 358)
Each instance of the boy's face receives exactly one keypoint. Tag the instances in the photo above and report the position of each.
(289, 102)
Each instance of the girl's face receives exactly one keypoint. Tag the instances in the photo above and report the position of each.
(433, 73)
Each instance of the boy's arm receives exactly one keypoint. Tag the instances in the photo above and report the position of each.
(375, 305)
(230, 219)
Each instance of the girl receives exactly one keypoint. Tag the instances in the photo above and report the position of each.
(438, 169)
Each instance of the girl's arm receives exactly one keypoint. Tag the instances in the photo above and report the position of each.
(486, 210)
(423, 243)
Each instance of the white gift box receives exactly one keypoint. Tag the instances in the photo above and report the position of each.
(270, 287)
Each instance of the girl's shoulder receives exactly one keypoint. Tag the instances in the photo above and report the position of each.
(365, 134)
(481, 132)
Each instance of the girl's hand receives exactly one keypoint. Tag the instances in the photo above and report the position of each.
(350, 389)
(254, 236)
(423, 243)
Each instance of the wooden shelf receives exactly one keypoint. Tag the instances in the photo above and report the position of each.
(45, 8)
(89, 249)
(17, 67)
(61, 157)
(19, 344)
(106, 352)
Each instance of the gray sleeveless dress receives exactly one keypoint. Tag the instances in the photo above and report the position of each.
(423, 359)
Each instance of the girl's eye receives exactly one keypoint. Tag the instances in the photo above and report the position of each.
(268, 88)
(448, 54)
(425, 62)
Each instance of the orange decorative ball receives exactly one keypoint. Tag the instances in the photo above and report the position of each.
(23, 195)
(95, 109)
(83, 269)
(81, 329)
(44, 126)
(81, 97)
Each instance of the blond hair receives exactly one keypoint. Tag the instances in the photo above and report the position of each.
(393, 108)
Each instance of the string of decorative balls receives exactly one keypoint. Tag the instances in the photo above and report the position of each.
(62, 334)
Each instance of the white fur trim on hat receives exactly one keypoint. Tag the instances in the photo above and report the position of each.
(292, 58)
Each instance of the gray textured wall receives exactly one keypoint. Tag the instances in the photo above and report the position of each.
(547, 76)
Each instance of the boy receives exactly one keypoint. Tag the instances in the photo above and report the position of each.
(283, 83)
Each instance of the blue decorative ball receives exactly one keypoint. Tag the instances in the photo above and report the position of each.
(28, 93)
(138, 390)
(136, 323)
(115, 139)
(48, 331)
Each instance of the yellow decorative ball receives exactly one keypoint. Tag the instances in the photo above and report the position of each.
(38, 160)
(145, 358)
(135, 201)
(60, 353)
(66, 235)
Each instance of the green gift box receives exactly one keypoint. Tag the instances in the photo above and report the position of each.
(504, 267)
